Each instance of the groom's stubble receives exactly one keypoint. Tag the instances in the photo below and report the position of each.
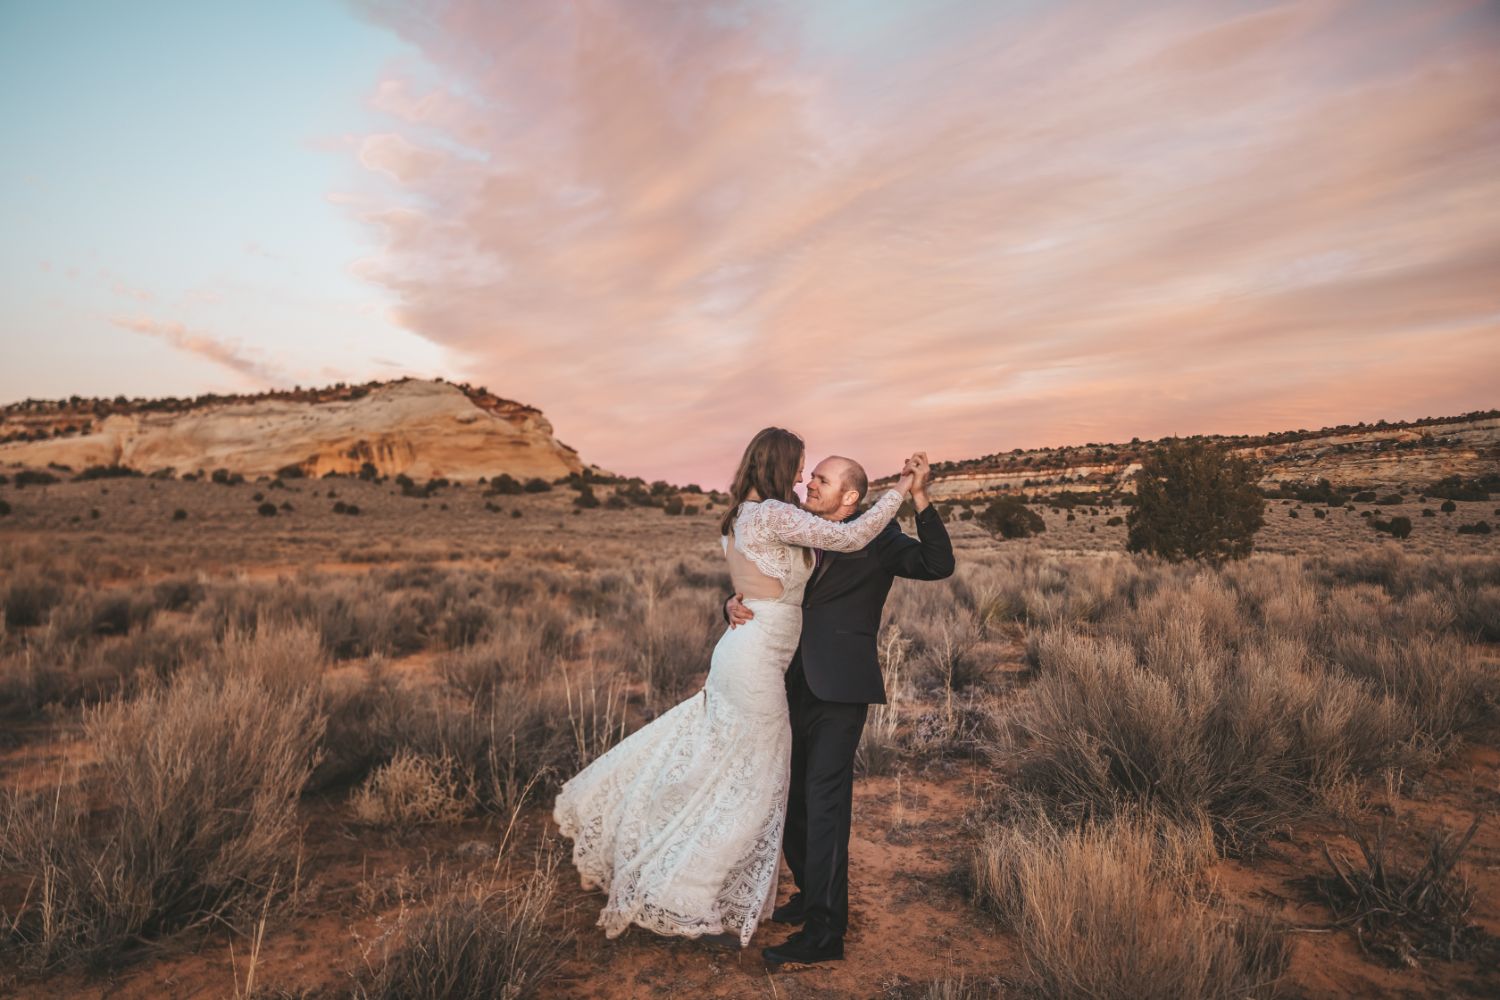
(830, 482)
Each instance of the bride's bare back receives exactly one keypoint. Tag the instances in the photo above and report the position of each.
(749, 582)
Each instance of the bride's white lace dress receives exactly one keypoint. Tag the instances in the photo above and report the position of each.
(681, 822)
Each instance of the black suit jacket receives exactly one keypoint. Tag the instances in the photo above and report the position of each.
(844, 600)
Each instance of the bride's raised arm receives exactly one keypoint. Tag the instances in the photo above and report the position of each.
(796, 526)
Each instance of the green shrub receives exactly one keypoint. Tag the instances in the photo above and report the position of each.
(537, 485)
(504, 485)
(1009, 517)
(34, 477)
(106, 472)
(1399, 527)
(1194, 500)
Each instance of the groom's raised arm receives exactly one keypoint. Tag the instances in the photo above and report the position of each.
(929, 556)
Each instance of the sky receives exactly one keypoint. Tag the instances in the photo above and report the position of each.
(961, 226)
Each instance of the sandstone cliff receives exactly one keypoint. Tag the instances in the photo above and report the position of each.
(421, 428)
(1412, 454)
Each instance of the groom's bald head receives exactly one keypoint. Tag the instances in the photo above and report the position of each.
(851, 476)
(835, 487)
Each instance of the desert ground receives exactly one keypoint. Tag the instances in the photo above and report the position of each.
(312, 753)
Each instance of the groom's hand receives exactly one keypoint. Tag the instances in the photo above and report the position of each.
(919, 468)
(737, 612)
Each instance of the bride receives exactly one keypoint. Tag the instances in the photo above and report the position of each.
(681, 822)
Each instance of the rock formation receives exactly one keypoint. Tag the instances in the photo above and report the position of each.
(421, 428)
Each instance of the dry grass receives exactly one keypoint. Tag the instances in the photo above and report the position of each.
(1246, 696)
(1108, 910)
(466, 664)
(412, 790)
(475, 942)
(200, 781)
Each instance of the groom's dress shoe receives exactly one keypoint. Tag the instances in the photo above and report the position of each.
(790, 912)
(801, 949)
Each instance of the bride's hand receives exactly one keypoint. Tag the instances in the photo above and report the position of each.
(908, 478)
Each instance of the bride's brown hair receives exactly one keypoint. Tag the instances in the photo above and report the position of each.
(769, 467)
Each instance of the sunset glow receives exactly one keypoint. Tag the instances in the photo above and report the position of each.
(960, 226)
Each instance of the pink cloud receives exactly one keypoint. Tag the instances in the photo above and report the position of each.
(226, 353)
(671, 226)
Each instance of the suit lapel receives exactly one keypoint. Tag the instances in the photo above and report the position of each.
(828, 558)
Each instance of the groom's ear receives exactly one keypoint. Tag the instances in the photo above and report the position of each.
(849, 498)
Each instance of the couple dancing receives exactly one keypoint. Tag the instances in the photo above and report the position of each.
(683, 821)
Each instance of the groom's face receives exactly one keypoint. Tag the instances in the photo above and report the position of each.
(825, 487)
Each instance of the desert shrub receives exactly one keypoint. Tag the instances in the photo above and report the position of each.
(112, 612)
(1110, 910)
(672, 506)
(879, 749)
(33, 477)
(266, 509)
(949, 652)
(29, 597)
(412, 790)
(1009, 517)
(536, 485)
(1448, 507)
(1194, 500)
(585, 497)
(1404, 912)
(179, 514)
(226, 478)
(1114, 521)
(1183, 725)
(1455, 487)
(1397, 527)
(966, 515)
(202, 780)
(1477, 528)
(5, 508)
(1442, 680)
(106, 472)
(511, 650)
(670, 642)
(504, 485)
(1391, 500)
(1364, 496)
(178, 593)
(477, 943)
(463, 622)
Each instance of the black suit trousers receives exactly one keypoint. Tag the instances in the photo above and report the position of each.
(825, 735)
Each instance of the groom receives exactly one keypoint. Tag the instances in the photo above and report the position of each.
(833, 679)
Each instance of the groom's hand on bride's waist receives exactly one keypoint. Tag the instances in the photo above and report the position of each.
(736, 612)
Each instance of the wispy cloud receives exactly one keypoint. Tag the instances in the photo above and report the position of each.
(227, 353)
(671, 225)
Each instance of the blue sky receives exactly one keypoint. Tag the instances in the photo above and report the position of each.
(186, 151)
